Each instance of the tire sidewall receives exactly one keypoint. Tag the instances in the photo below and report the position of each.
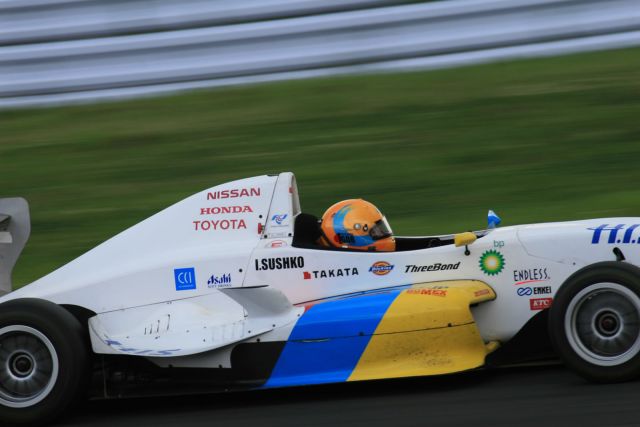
(619, 273)
(69, 340)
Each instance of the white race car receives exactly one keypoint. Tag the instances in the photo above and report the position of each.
(229, 290)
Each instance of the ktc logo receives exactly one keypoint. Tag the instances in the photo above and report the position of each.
(540, 303)
(185, 278)
(613, 236)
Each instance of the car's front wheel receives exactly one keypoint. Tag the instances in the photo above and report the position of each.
(44, 361)
(594, 322)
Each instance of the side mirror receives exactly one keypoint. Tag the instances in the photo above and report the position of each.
(465, 239)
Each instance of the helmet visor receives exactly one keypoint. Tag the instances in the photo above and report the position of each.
(380, 229)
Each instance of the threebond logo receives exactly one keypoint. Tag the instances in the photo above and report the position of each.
(492, 262)
(381, 268)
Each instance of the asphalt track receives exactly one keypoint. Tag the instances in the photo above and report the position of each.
(532, 396)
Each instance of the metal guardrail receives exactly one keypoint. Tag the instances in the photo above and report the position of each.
(401, 37)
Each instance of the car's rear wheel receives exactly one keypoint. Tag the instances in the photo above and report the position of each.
(44, 361)
(594, 322)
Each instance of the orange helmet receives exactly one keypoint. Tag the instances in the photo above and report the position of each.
(356, 224)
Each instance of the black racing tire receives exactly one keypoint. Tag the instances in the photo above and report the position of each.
(594, 322)
(44, 361)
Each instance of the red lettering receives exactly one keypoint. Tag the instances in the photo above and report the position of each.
(215, 210)
(222, 224)
(233, 193)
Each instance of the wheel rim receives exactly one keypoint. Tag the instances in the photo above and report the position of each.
(28, 366)
(602, 324)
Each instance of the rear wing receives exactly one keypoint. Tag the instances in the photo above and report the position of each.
(15, 227)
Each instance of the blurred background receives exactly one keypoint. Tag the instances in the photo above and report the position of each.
(434, 111)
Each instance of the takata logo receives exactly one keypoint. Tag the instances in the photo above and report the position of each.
(613, 235)
(381, 268)
(327, 274)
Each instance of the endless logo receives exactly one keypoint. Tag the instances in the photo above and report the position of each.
(324, 274)
(381, 268)
(282, 263)
(530, 275)
(219, 281)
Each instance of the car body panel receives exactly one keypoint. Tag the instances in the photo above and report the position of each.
(217, 281)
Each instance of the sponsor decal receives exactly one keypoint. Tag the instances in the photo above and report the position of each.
(481, 292)
(492, 262)
(431, 267)
(613, 234)
(381, 268)
(280, 263)
(276, 244)
(280, 220)
(217, 210)
(526, 291)
(222, 281)
(234, 193)
(531, 275)
(185, 278)
(221, 224)
(327, 274)
(498, 244)
(436, 292)
(540, 303)
(126, 349)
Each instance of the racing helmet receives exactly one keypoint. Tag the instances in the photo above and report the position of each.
(356, 224)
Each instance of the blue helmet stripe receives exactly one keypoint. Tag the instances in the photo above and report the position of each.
(338, 227)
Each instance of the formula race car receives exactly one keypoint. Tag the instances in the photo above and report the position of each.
(229, 290)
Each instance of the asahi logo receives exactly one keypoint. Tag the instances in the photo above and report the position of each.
(327, 274)
(280, 263)
(233, 193)
(224, 280)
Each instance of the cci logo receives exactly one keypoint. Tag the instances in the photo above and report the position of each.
(185, 278)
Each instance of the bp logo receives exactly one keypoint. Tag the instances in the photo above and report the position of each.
(491, 262)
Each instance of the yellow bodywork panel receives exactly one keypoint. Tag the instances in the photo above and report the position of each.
(427, 330)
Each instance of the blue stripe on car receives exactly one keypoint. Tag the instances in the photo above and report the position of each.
(328, 340)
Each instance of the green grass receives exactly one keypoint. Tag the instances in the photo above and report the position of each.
(535, 140)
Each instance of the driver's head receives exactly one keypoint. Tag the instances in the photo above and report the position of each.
(356, 224)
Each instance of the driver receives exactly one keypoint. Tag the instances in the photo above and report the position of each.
(356, 224)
